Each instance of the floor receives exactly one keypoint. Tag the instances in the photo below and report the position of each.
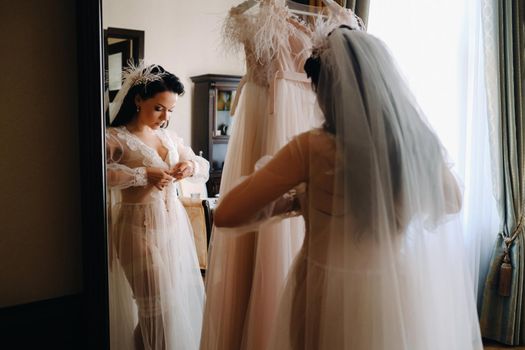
(496, 346)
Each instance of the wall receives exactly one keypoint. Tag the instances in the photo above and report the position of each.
(40, 228)
(185, 37)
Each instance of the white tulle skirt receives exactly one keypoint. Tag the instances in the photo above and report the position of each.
(247, 270)
(156, 289)
(410, 292)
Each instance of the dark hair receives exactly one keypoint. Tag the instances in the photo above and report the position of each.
(360, 192)
(166, 82)
(312, 68)
(312, 65)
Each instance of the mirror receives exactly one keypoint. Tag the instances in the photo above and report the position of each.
(185, 38)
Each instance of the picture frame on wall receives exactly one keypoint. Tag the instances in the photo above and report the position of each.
(121, 47)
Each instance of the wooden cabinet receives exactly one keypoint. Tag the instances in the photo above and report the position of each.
(211, 121)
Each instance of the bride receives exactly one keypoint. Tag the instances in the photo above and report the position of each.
(381, 266)
(156, 289)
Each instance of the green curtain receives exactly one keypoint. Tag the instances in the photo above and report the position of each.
(503, 310)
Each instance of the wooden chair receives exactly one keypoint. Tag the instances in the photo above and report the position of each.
(200, 216)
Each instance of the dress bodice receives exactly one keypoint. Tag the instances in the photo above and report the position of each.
(137, 153)
(128, 157)
(273, 40)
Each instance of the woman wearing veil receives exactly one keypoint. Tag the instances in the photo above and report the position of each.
(381, 266)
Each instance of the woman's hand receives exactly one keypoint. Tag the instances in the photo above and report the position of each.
(182, 169)
(158, 177)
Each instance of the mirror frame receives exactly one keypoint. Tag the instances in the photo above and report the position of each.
(91, 156)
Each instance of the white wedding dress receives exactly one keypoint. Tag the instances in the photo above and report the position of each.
(155, 279)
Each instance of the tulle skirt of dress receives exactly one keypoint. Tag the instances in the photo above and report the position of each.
(248, 269)
(155, 279)
(412, 294)
(278, 242)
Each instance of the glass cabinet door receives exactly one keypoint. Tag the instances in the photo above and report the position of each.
(212, 123)
(223, 119)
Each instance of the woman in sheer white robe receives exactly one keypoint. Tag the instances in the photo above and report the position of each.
(382, 265)
(156, 289)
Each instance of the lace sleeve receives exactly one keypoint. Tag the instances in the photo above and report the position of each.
(120, 176)
(267, 192)
(201, 167)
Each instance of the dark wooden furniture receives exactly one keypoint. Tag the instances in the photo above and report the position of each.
(211, 121)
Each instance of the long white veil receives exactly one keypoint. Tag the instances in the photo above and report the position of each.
(384, 265)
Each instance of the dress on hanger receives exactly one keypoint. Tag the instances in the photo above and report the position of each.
(155, 279)
(274, 102)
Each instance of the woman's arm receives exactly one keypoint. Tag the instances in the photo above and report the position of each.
(190, 166)
(451, 191)
(120, 176)
(286, 170)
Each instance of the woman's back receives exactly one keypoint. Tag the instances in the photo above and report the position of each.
(388, 287)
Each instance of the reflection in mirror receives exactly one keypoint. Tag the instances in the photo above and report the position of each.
(158, 243)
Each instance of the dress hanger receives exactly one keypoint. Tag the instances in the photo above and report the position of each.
(245, 6)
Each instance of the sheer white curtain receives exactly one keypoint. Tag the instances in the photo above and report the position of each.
(441, 48)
